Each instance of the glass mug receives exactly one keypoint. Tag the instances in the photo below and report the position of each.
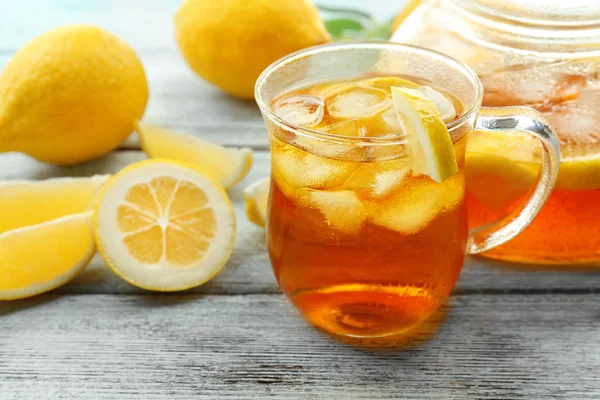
(361, 263)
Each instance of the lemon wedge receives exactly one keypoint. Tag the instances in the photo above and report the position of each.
(427, 136)
(164, 225)
(256, 197)
(46, 235)
(25, 202)
(38, 258)
(225, 165)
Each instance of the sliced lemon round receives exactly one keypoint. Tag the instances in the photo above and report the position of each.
(579, 173)
(513, 160)
(256, 197)
(226, 165)
(38, 258)
(427, 136)
(164, 225)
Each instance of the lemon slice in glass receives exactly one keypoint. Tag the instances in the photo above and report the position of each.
(427, 136)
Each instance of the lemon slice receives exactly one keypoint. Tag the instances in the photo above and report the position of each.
(428, 138)
(256, 197)
(225, 165)
(24, 203)
(386, 82)
(579, 173)
(500, 166)
(38, 258)
(163, 225)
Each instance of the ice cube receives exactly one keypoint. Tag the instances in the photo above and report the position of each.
(392, 150)
(390, 118)
(417, 203)
(387, 181)
(573, 124)
(361, 180)
(350, 127)
(385, 124)
(342, 209)
(329, 149)
(333, 148)
(301, 169)
(441, 102)
(577, 124)
(343, 150)
(300, 110)
(539, 86)
(379, 179)
(355, 101)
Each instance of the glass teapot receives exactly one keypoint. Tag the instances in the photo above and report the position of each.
(542, 54)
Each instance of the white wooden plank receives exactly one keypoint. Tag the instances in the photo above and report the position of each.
(182, 101)
(254, 346)
(248, 270)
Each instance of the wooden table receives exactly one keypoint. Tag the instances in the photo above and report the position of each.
(507, 333)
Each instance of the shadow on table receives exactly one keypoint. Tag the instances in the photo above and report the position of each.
(15, 306)
(406, 340)
(509, 265)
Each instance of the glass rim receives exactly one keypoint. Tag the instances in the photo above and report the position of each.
(381, 45)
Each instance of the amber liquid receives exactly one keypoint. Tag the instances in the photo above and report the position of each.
(379, 276)
(377, 282)
(567, 229)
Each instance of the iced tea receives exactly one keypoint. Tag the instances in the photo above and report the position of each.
(360, 244)
(500, 171)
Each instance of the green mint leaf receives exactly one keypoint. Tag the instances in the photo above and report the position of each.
(341, 28)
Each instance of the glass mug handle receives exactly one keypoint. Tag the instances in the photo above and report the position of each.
(528, 120)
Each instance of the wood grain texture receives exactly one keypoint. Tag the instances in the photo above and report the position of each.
(254, 346)
(249, 271)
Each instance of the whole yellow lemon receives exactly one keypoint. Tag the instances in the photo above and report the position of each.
(230, 42)
(70, 95)
(407, 9)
